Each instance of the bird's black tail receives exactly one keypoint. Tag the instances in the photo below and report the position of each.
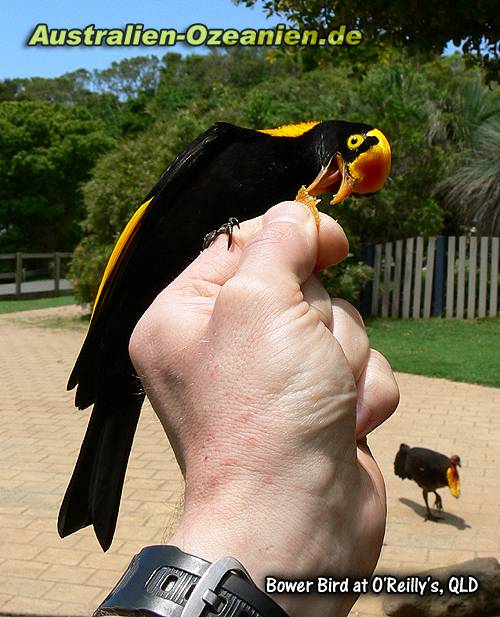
(400, 462)
(94, 492)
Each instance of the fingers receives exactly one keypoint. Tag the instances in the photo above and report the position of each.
(378, 394)
(289, 245)
(349, 330)
(318, 299)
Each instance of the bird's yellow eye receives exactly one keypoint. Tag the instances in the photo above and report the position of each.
(355, 141)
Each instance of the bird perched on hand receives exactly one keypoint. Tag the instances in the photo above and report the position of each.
(430, 470)
(226, 172)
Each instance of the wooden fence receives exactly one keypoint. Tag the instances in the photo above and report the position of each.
(40, 278)
(437, 276)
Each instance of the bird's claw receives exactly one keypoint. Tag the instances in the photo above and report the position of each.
(432, 517)
(227, 228)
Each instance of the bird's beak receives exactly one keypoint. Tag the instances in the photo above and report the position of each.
(347, 185)
(334, 176)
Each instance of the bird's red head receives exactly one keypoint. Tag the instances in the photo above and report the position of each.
(455, 460)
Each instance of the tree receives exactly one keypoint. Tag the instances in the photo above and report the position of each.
(471, 191)
(420, 26)
(46, 152)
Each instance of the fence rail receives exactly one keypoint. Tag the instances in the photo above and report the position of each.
(54, 272)
(438, 276)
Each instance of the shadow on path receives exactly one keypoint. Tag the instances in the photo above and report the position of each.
(444, 517)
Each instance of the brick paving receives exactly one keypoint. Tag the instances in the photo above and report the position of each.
(40, 574)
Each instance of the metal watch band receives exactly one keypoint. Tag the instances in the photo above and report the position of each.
(163, 581)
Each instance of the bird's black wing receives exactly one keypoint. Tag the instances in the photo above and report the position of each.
(147, 255)
(194, 158)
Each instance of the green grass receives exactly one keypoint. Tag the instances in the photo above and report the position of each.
(460, 350)
(13, 306)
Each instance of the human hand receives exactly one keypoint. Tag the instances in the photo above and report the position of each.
(255, 375)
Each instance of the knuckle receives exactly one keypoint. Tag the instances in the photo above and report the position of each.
(276, 233)
(347, 308)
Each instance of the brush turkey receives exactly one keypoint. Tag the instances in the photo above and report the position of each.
(430, 470)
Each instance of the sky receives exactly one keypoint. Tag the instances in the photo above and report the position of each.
(20, 18)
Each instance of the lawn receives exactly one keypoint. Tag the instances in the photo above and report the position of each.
(460, 350)
(13, 306)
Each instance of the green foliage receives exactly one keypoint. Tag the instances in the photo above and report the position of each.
(347, 280)
(118, 185)
(441, 120)
(46, 151)
(418, 105)
(471, 191)
(423, 27)
(118, 95)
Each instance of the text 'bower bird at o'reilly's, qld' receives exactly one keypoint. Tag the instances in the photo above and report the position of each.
(225, 174)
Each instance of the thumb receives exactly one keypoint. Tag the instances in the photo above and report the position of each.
(286, 245)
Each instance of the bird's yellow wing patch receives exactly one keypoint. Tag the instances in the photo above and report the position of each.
(123, 241)
(290, 130)
(453, 481)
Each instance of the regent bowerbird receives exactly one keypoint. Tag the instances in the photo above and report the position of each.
(226, 172)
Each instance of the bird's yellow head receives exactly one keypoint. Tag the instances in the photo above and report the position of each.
(360, 166)
(453, 477)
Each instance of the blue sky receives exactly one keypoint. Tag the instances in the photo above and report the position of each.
(19, 19)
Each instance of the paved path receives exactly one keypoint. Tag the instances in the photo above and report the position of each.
(40, 436)
(7, 289)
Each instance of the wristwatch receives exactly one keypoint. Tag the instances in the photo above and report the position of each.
(163, 581)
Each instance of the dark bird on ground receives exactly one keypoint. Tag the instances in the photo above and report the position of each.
(430, 470)
(226, 172)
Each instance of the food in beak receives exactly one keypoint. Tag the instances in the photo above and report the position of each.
(334, 176)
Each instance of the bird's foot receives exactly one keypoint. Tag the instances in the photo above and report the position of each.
(438, 505)
(227, 228)
(432, 517)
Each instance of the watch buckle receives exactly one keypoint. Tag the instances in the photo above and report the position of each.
(204, 595)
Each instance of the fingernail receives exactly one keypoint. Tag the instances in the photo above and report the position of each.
(287, 212)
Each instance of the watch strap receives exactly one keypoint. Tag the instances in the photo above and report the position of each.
(163, 581)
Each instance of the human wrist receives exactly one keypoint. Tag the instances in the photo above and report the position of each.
(299, 535)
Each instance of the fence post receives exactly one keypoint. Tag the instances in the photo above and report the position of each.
(438, 284)
(462, 251)
(376, 279)
(429, 276)
(407, 278)
(483, 277)
(471, 288)
(19, 273)
(366, 294)
(494, 277)
(396, 292)
(450, 278)
(57, 272)
(387, 279)
(417, 287)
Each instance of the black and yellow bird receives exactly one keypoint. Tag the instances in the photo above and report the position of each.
(226, 172)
